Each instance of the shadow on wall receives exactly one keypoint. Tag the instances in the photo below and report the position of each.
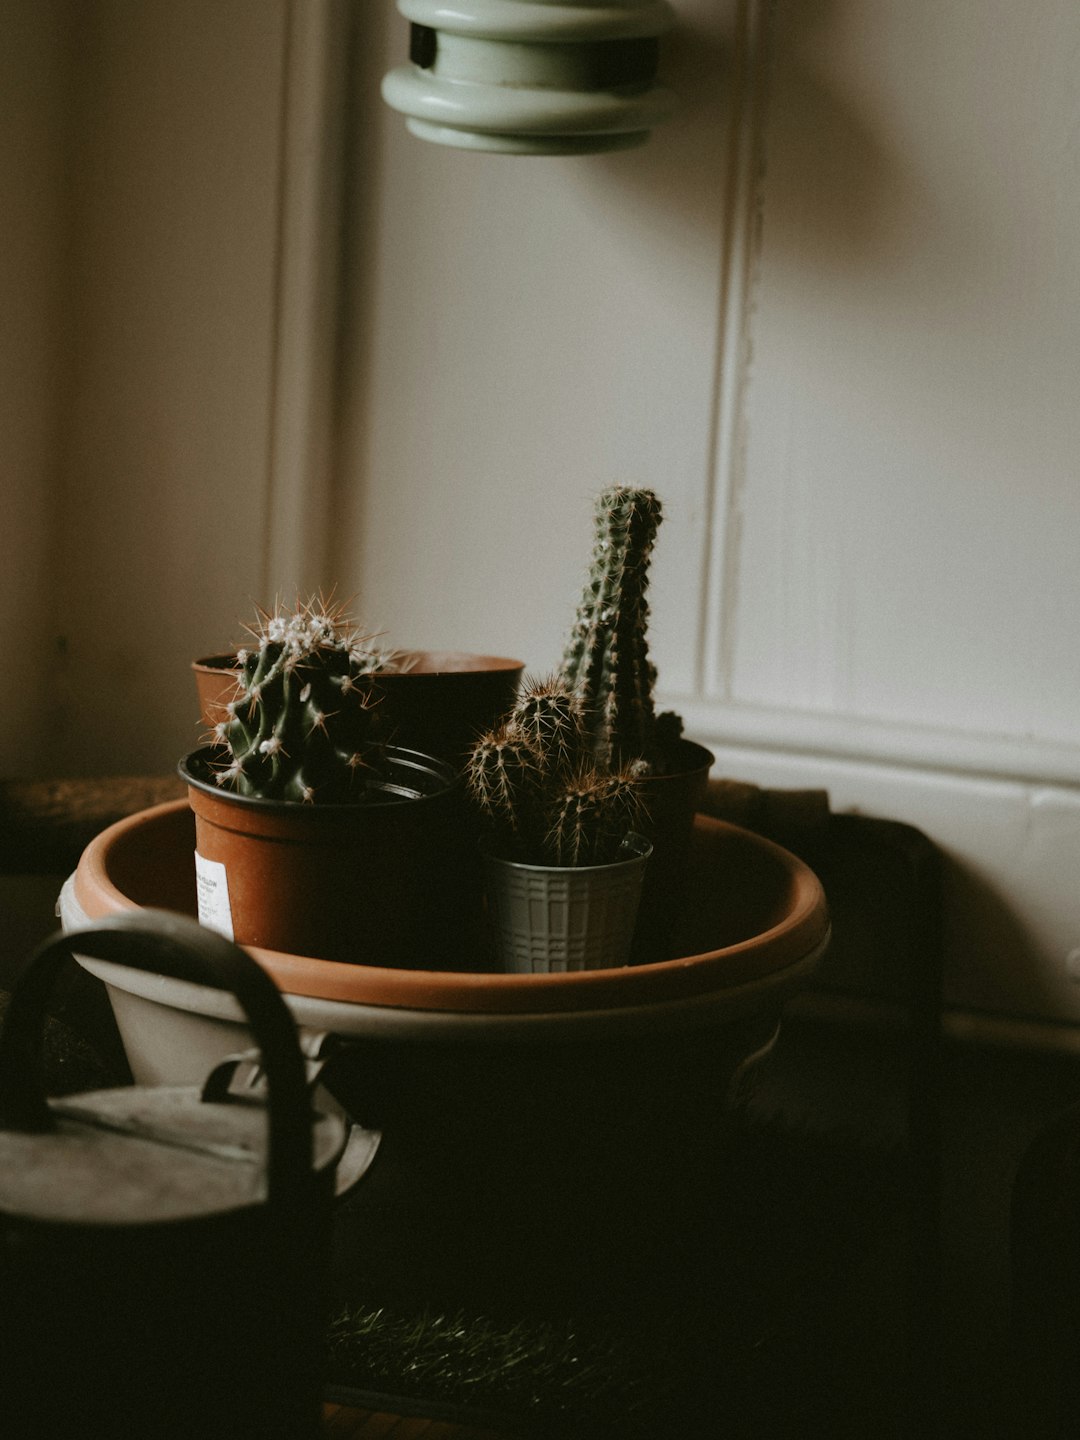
(843, 188)
(370, 38)
(990, 952)
(671, 189)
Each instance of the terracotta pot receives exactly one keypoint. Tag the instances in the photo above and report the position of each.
(569, 1121)
(216, 685)
(373, 883)
(438, 705)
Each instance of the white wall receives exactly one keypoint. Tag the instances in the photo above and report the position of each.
(525, 332)
(33, 74)
(142, 240)
(829, 312)
(177, 136)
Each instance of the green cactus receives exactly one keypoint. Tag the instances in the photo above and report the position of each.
(606, 663)
(539, 796)
(304, 725)
(504, 776)
(590, 815)
(549, 717)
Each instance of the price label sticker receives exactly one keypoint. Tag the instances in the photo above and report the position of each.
(212, 885)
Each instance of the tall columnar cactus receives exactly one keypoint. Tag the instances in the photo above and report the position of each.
(606, 663)
(540, 796)
(304, 725)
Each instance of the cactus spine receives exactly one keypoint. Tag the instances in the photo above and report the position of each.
(606, 664)
(304, 724)
(542, 800)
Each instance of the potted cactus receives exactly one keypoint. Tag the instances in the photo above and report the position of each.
(314, 836)
(607, 668)
(564, 863)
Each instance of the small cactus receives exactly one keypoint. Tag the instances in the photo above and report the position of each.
(549, 717)
(606, 663)
(504, 775)
(304, 724)
(538, 794)
(591, 815)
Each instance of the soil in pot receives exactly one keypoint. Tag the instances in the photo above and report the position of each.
(386, 882)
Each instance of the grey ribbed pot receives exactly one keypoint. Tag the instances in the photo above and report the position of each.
(550, 919)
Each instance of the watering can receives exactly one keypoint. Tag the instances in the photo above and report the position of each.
(164, 1252)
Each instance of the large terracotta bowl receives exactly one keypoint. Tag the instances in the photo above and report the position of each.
(754, 913)
(566, 1121)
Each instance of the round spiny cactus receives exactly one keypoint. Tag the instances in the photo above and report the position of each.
(304, 724)
(591, 816)
(547, 714)
(503, 775)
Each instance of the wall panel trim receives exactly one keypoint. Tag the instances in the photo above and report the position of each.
(739, 264)
(1001, 757)
(304, 402)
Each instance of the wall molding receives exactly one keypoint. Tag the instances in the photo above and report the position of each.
(1012, 850)
(741, 249)
(301, 442)
(844, 737)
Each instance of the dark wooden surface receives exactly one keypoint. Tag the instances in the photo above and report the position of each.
(46, 824)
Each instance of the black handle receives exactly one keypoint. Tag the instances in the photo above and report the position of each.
(177, 946)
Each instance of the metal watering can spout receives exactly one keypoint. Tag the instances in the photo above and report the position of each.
(163, 1256)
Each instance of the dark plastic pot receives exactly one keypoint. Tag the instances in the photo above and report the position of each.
(671, 802)
(446, 698)
(384, 882)
(438, 705)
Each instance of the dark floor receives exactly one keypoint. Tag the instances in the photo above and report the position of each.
(994, 1102)
(813, 1297)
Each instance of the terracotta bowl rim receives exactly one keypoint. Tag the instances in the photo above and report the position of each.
(803, 929)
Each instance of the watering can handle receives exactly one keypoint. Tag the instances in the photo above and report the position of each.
(177, 946)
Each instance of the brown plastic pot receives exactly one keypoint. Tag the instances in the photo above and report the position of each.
(381, 882)
(438, 704)
(215, 683)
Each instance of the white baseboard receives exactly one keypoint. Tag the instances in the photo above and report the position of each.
(1013, 871)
